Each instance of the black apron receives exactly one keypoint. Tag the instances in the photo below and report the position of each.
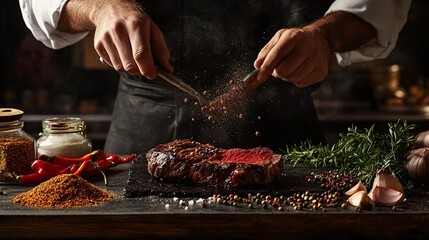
(211, 43)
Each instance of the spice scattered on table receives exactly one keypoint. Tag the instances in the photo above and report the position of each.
(64, 191)
(298, 201)
(333, 180)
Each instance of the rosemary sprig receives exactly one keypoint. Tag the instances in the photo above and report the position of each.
(361, 151)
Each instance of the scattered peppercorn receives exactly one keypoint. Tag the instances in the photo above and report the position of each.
(334, 181)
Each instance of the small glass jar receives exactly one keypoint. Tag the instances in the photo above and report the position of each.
(65, 137)
(17, 148)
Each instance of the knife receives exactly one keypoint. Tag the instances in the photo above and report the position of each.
(181, 85)
(250, 80)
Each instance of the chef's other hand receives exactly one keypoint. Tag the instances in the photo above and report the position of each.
(127, 39)
(297, 55)
(302, 55)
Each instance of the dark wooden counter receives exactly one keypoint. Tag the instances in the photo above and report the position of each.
(147, 218)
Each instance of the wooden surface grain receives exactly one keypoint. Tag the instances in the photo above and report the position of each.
(147, 218)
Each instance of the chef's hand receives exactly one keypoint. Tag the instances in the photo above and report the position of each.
(127, 39)
(298, 55)
(302, 55)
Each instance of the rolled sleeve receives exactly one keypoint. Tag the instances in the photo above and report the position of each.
(42, 17)
(388, 17)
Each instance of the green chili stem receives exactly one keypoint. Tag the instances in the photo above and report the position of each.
(101, 171)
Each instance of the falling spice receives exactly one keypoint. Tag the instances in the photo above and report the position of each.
(228, 103)
(63, 191)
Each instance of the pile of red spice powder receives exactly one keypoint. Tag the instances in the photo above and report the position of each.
(63, 191)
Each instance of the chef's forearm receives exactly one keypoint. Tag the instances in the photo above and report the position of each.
(84, 15)
(343, 31)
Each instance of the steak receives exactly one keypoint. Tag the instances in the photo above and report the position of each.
(190, 161)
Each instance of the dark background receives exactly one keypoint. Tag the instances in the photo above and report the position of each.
(43, 82)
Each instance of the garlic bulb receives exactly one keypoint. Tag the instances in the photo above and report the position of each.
(422, 140)
(417, 164)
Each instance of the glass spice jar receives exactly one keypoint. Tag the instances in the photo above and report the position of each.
(17, 148)
(65, 137)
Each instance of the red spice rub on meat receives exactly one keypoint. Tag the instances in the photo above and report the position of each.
(191, 161)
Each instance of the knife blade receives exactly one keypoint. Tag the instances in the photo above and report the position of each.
(175, 81)
(250, 81)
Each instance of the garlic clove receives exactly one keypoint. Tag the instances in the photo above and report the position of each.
(358, 187)
(384, 179)
(382, 196)
(360, 199)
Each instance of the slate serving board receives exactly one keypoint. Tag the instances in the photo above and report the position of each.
(140, 183)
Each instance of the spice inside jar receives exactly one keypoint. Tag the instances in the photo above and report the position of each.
(65, 137)
(17, 148)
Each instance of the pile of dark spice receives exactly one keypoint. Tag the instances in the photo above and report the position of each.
(63, 191)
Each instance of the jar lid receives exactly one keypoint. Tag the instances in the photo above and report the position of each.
(10, 114)
(67, 124)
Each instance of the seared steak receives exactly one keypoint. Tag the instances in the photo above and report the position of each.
(191, 161)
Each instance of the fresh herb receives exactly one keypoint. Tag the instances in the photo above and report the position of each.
(360, 151)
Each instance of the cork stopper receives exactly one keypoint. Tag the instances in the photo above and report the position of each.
(10, 114)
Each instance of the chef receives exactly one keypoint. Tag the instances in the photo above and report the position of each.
(210, 43)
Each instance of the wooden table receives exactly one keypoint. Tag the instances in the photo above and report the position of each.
(148, 218)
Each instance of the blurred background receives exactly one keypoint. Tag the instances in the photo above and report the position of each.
(71, 81)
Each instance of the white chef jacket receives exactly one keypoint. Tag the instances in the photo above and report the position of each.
(387, 16)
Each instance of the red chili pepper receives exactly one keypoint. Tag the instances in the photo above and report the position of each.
(48, 170)
(42, 172)
(74, 167)
(64, 161)
(118, 159)
(81, 168)
(30, 179)
(103, 165)
(39, 164)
